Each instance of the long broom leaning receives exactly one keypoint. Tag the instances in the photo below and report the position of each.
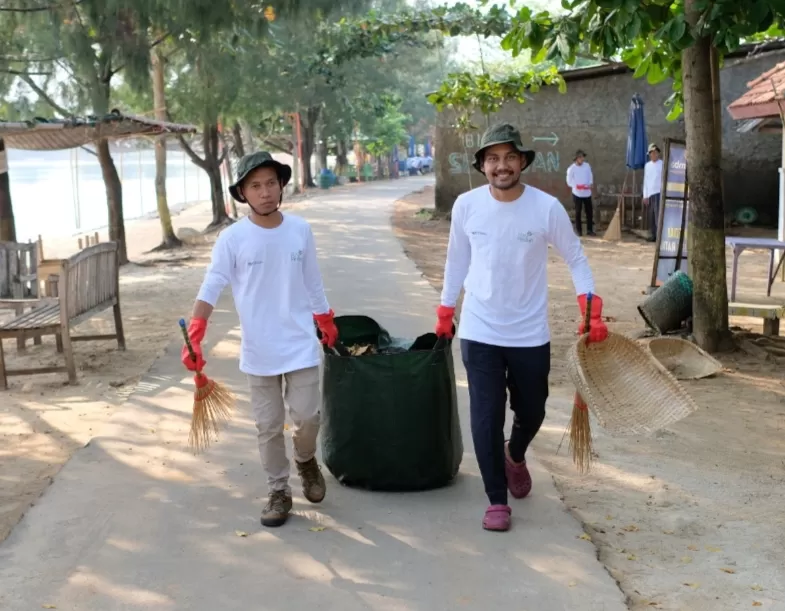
(213, 404)
(580, 428)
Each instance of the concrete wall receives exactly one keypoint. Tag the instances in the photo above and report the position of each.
(593, 115)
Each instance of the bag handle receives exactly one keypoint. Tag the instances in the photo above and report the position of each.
(339, 349)
(440, 344)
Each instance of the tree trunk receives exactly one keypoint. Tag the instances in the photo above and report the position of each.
(321, 145)
(237, 136)
(114, 198)
(308, 127)
(7, 224)
(341, 156)
(220, 218)
(716, 96)
(168, 237)
(249, 142)
(706, 234)
(212, 159)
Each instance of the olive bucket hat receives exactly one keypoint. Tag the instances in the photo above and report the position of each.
(503, 133)
(260, 159)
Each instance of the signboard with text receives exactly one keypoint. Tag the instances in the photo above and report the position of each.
(671, 252)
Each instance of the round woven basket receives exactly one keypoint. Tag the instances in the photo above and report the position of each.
(683, 359)
(625, 387)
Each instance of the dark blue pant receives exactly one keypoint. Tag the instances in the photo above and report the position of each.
(654, 215)
(491, 372)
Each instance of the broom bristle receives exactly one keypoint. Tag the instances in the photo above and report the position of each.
(580, 435)
(213, 405)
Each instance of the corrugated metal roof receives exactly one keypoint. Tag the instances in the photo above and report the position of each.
(765, 96)
(52, 135)
(766, 125)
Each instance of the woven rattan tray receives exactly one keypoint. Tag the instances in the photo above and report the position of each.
(683, 359)
(626, 388)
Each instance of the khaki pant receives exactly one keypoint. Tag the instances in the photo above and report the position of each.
(270, 395)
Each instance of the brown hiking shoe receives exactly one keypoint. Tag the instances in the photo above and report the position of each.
(314, 487)
(276, 512)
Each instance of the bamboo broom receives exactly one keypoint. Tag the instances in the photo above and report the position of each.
(213, 404)
(580, 443)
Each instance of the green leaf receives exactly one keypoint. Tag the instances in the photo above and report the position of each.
(642, 68)
(655, 74)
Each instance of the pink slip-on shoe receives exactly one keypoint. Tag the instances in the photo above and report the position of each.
(497, 517)
(519, 481)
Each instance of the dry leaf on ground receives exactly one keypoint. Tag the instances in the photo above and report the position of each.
(240, 533)
(727, 570)
(317, 529)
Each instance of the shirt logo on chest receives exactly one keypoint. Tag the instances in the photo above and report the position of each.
(297, 256)
(527, 237)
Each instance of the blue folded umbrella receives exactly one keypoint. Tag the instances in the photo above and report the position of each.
(637, 144)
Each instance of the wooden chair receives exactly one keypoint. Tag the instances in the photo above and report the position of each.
(18, 271)
(88, 283)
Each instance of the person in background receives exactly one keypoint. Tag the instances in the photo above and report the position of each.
(581, 180)
(652, 185)
(269, 259)
(498, 253)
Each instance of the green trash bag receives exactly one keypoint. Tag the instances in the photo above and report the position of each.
(390, 419)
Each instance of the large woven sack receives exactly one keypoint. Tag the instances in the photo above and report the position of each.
(624, 386)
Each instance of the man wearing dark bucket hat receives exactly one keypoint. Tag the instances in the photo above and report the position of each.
(269, 259)
(498, 252)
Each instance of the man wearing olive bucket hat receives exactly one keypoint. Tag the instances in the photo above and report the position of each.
(498, 252)
(269, 259)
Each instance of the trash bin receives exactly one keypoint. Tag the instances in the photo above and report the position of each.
(390, 416)
(325, 179)
(669, 305)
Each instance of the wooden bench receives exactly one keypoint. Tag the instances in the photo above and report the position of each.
(770, 313)
(87, 284)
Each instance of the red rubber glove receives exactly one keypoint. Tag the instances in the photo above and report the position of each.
(598, 331)
(196, 331)
(326, 324)
(444, 321)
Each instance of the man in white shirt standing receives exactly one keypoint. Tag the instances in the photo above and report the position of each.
(498, 252)
(652, 185)
(581, 180)
(269, 259)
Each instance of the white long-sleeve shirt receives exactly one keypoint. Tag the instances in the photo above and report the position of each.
(652, 178)
(580, 175)
(498, 252)
(277, 288)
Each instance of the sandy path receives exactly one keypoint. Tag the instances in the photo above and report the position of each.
(692, 518)
(43, 420)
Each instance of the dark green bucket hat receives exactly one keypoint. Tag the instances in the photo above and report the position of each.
(503, 133)
(260, 159)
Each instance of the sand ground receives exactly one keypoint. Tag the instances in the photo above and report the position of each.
(43, 421)
(691, 519)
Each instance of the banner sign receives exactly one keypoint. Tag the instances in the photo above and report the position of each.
(671, 252)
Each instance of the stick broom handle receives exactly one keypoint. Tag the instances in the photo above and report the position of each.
(187, 339)
(587, 318)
